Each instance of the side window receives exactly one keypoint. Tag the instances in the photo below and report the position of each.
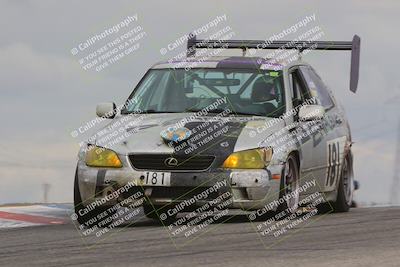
(317, 87)
(299, 91)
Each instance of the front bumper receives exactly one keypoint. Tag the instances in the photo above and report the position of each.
(250, 189)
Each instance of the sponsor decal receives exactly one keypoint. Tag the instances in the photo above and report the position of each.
(176, 134)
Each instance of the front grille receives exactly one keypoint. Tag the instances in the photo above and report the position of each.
(159, 162)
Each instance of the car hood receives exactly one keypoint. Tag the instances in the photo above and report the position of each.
(141, 133)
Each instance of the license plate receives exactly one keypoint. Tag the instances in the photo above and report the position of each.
(157, 178)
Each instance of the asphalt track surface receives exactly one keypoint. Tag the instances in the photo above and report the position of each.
(361, 237)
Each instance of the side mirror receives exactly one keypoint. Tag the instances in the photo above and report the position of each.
(106, 110)
(311, 112)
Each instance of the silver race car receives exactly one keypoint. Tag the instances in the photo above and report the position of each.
(196, 130)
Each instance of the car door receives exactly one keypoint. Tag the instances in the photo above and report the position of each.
(301, 96)
(328, 145)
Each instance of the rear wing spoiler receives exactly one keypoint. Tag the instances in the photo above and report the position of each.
(353, 45)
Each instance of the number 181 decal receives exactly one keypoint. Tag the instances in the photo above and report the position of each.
(335, 154)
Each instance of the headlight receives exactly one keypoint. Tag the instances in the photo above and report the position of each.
(102, 157)
(249, 159)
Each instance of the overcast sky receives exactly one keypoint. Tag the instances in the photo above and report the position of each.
(45, 94)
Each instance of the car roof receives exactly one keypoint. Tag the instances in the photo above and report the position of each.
(229, 62)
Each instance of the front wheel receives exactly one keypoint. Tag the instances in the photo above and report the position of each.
(92, 217)
(290, 185)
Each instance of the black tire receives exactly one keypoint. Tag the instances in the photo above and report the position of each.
(78, 206)
(344, 193)
(289, 183)
(345, 187)
(154, 213)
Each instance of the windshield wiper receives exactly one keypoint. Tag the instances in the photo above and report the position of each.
(160, 111)
(209, 111)
(213, 111)
(149, 111)
(246, 114)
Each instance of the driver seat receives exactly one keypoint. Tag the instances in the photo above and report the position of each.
(262, 92)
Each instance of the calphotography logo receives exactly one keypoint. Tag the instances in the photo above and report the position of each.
(176, 135)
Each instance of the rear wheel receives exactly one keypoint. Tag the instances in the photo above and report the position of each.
(345, 189)
(344, 198)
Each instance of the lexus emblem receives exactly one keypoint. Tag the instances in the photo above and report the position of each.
(171, 162)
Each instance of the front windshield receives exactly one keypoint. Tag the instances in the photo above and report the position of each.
(246, 92)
